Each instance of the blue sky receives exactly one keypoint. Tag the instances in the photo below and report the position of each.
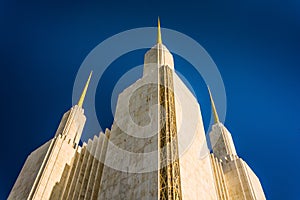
(255, 45)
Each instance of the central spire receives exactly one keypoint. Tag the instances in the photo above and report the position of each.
(216, 117)
(159, 41)
(80, 102)
(158, 55)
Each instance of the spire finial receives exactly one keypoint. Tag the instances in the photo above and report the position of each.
(216, 117)
(80, 102)
(159, 41)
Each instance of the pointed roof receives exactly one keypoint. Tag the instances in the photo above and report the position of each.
(81, 100)
(216, 117)
(159, 41)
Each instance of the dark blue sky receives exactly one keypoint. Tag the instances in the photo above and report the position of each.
(255, 45)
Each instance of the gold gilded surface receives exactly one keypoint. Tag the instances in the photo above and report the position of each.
(216, 117)
(81, 100)
(159, 40)
(169, 174)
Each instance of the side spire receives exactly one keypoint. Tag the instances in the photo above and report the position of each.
(216, 117)
(159, 41)
(81, 100)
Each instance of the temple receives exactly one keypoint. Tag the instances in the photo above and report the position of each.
(155, 149)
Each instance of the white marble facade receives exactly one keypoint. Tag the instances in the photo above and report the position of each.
(124, 162)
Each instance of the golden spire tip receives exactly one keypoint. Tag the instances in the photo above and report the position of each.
(159, 41)
(81, 100)
(216, 117)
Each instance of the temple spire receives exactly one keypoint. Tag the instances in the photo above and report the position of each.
(81, 100)
(159, 41)
(216, 117)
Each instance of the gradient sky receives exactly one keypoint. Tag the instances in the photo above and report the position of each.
(255, 45)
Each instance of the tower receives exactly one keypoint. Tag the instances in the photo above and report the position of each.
(234, 178)
(44, 166)
(164, 134)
